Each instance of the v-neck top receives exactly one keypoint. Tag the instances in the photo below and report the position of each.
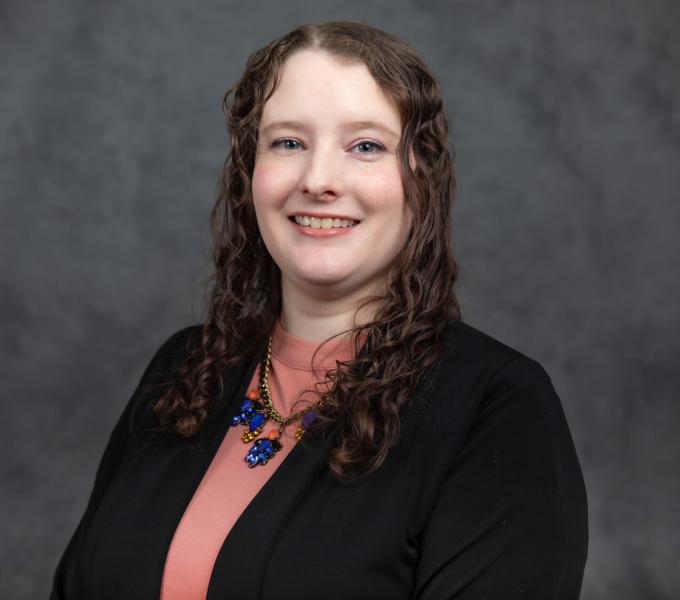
(229, 484)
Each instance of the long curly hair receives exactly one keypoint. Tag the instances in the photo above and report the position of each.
(394, 352)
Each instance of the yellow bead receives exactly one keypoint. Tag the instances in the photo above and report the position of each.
(249, 436)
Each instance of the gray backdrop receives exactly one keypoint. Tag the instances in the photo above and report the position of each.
(566, 121)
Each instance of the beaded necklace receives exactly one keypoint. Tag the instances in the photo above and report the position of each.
(257, 407)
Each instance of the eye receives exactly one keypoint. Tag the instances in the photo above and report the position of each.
(367, 144)
(285, 143)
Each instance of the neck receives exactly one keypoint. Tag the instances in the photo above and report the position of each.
(316, 319)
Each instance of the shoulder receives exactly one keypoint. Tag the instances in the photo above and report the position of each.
(171, 352)
(476, 353)
(174, 348)
(477, 372)
(181, 340)
(466, 341)
(160, 371)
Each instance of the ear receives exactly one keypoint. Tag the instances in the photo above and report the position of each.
(411, 159)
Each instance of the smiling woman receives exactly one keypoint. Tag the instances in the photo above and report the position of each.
(334, 429)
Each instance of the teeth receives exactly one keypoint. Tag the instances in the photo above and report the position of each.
(326, 223)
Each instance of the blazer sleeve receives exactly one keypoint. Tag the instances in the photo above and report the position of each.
(510, 520)
(67, 576)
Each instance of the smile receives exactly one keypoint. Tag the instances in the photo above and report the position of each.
(323, 223)
(322, 226)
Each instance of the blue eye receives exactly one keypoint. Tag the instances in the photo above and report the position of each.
(377, 147)
(278, 143)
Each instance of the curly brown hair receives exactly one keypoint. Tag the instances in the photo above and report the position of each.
(403, 341)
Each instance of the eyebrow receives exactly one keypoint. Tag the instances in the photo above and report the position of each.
(288, 124)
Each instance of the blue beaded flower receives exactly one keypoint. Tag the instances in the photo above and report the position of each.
(262, 450)
(248, 409)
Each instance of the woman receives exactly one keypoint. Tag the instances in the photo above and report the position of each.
(334, 430)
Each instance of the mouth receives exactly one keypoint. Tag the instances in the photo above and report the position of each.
(323, 222)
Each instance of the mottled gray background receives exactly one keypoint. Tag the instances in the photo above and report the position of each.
(566, 121)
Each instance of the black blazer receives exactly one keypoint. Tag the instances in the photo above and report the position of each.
(482, 497)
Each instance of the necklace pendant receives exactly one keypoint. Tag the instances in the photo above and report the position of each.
(261, 451)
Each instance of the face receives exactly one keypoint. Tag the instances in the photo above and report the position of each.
(326, 154)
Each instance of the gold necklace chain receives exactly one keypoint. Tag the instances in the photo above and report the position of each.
(269, 409)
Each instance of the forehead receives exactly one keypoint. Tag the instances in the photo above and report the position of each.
(314, 84)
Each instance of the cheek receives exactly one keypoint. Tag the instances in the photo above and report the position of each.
(271, 183)
(386, 194)
(389, 199)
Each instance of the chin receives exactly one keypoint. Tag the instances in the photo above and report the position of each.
(314, 277)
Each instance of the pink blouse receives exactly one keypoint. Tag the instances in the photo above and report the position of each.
(230, 484)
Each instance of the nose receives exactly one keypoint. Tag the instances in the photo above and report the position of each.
(321, 179)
